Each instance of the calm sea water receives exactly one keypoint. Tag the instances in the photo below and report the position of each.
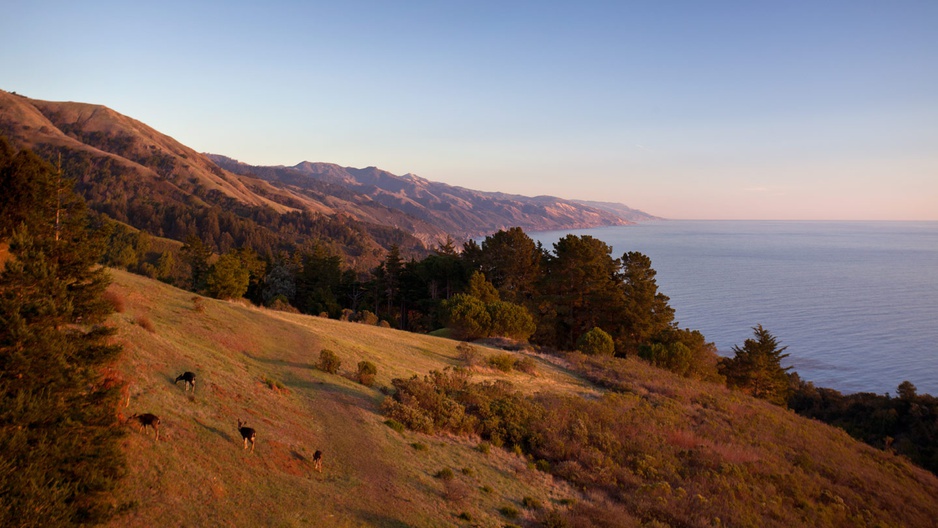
(856, 303)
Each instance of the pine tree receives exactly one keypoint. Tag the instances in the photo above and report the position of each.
(512, 261)
(756, 368)
(581, 288)
(59, 450)
(646, 312)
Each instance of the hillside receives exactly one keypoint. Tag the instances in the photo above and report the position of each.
(464, 213)
(699, 451)
(138, 175)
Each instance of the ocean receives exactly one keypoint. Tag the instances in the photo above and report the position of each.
(856, 303)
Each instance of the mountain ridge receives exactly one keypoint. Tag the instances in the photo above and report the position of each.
(126, 168)
(463, 212)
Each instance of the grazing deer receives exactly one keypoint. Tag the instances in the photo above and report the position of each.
(317, 461)
(247, 434)
(148, 420)
(189, 378)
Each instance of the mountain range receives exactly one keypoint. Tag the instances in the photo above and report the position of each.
(130, 170)
(460, 212)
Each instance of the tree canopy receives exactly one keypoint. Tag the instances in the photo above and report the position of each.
(757, 369)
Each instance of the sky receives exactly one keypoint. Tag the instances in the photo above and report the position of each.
(808, 110)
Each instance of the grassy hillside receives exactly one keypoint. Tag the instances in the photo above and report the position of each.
(700, 447)
(198, 474)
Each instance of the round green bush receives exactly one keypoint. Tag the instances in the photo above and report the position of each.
(596, 342)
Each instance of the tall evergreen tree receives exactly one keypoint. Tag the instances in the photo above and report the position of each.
(319, 281)
(196, 254)
(59, 450)
(512, 262)
(646, 311)
(580, 290)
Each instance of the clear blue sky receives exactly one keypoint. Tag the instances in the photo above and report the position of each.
(694, 109)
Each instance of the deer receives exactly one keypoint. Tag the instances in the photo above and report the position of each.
(317, 461)
(148, 420)
(189, 378)
(247, 434)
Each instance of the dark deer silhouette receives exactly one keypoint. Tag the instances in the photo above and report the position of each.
(148, 420)
(189, 378)
(247, 433)
(317, 461)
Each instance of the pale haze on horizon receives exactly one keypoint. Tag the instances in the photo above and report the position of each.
(702, 110)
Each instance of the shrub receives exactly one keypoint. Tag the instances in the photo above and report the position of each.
(281, 304)
(509, 511)
(426, 404)
(503, 362)
(465, 516)
(554, 519)
(412, 417)
(274, 385)
(145, 323)
(484, 448)
(384, 324)
(394, 424)
(445, 474)
(531, 503)
(454, 490)
(468, 354)
(526, 365)
(329, 361)
(115, 299)
(198, 305)
(368, 318)
(596, 342)
(366, 373)
(419, 447)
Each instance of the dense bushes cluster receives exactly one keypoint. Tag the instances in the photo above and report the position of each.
(653, 448)
(448, 401)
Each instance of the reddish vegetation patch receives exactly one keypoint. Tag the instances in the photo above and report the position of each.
(116, 300)
(683, 439)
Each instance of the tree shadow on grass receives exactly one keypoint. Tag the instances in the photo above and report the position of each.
(280, 362)
(347, 394)
(377, 519)
(215, 430)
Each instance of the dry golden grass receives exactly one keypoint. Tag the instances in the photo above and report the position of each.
(198, 473)
(259, 366)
